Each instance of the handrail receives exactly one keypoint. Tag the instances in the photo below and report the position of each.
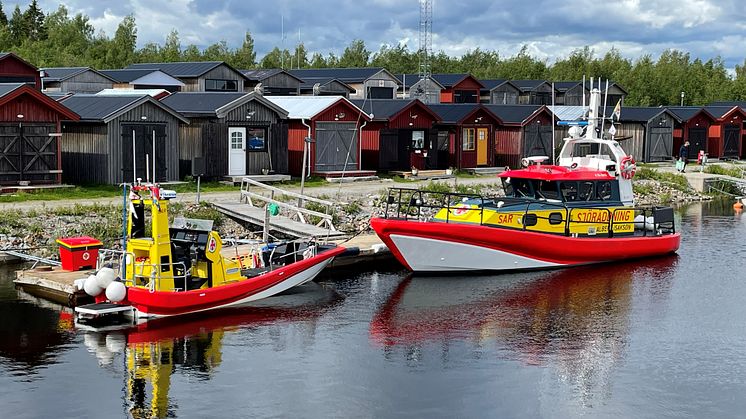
(248, 181)
(288, 206)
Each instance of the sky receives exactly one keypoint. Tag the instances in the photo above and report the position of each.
(550, 29)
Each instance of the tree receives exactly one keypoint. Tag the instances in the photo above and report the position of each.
(3, 16)
(122, 47)
(317, 61)
(245, 57)
(171, 51)
(355, 55)
(218, 51)
(17, 26)
(300, 57)
(398, 59)
(276, 59)
(191, 53)
(34, 19)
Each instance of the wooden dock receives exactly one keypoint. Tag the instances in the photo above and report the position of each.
(58, 285)
(277, 223)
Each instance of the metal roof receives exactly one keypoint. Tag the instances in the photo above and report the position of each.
(451, 113)
(156, 93)
(309, 82)
(685, 113)
(568, 113)
(6, 88)
(639, 113)
(215, 103)
(62, 73)
(719, 111)
(490, 84)
(513, 114)
(101, 108)
(346, 75)
(142, 76)
(306, 107)
(182, 69)
(261, 75)
(742, 104)
(528, 85)
(563, 86)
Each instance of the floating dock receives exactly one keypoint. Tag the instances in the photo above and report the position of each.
(58, 285)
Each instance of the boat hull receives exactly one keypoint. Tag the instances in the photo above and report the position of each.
(450, 247)
(148, 304)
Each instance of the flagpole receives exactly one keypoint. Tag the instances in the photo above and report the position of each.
(554, 149)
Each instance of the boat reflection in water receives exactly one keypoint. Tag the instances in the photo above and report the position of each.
(575, 321)
(192, 345)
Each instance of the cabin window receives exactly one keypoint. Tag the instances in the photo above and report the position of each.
(469, 142)
(569, 191)
(221, 85)
(603, 190)
(547, 190)
(555, 218)
(519, 188)
(418, 140)
(585, 191)
(256, 139)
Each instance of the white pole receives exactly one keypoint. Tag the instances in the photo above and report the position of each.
(154, 179)
(147, 168)
(603, 118)
(583, 110)
(134, 160)
(552, 125)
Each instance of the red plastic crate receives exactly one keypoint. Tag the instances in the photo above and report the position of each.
(78, 253)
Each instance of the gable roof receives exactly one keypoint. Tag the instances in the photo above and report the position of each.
(387, 109)
(640, 113)
(490, 84)
(563, 86)
(409, 80)
(346, 75)
(685, 113)
(143, 77)
(721, 112)
(455, 113)
(57, 74)
(10, 91)
(603, 85)
(308, 107)
(183, 69)
(515, 114)
(528, 85)
(309, 82)
(261, 75)
(215, 103)
(156, 93)
(101, 108)
(742, 104)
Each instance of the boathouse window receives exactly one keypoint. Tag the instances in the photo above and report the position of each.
(418, 140)
(256, 139)
(221, 85)
(469, 142)
(569, 191)
(585, 191)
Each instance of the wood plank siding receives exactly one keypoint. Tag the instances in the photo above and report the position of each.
(86, 82)
(85, 153)
(221, 72)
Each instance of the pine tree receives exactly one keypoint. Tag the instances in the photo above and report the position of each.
(245, 57)
(17, 26)
(34, 18)
(3, 16)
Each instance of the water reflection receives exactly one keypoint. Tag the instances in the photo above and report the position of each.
(192, 345)
(34, 332)
(574, 321)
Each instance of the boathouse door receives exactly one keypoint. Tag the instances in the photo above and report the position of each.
(731, 140)
(659, 144)
(482, 146)
(142, 135)
(236, 151)
(697, 141)
(336, 146)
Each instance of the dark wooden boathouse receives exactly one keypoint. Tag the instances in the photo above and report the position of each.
(469, 131)
(30, 126)
(237, 133)
(645, 133)
(526, 130)
(400, 136)
(98, 149)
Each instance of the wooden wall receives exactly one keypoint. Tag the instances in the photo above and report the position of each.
(508, 146)
(86, 82)
(85, 154)
(13, 70)
(220, 72)
(504, 94)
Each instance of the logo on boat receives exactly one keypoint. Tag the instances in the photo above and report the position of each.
(460, 209)
(212, 245)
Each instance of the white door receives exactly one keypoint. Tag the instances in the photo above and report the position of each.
(236, 151)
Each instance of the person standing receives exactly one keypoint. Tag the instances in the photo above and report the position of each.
(683, 155)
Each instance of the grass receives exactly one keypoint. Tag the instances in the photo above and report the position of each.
(720, 170)
(642, 189)
(78, 192)
(675, 180)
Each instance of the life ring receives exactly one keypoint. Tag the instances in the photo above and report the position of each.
(460, 209)
(628, 167)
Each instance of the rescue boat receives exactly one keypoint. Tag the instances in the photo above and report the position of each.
(168, 271)
(576, 212)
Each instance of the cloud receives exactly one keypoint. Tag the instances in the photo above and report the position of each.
(550, 29)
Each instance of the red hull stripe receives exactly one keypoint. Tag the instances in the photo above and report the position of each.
(171, 303)
(557, 249)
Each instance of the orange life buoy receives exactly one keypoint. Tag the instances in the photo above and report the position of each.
(628, 167)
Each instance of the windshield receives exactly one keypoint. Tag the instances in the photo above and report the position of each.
(192, 224)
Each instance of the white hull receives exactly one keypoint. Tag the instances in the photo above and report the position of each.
(298, 279)
(432, 255)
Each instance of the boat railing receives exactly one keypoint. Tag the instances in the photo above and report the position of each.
(419, 205)
(152, 277)
(291, 257)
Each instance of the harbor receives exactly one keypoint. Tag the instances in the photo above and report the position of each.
(642, 337)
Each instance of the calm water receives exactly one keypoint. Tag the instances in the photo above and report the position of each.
(657, 338)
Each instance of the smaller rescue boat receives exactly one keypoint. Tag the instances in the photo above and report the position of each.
(178, 270)
(577, 212)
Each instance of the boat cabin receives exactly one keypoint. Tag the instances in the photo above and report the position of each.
(560, 184)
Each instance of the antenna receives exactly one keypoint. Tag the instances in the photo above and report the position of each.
(606, 96)
(134, 160)
(282, 41)
(426, 38)
(154, 177)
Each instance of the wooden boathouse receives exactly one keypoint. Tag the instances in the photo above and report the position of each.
(205, 76)
(98, 149)
(30, 126)
(469, 131)
(725, 136)
(237, 133)
(694, 127)
(526, 130)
